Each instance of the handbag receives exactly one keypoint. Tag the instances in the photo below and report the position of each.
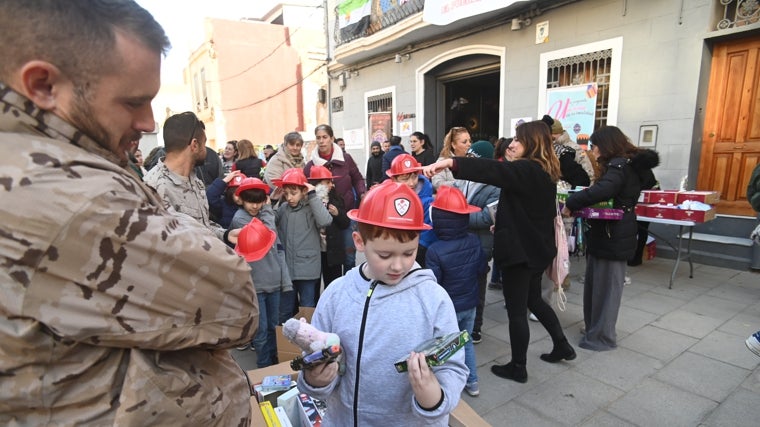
(559, 268)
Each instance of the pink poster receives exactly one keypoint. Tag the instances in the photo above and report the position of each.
(380, 127)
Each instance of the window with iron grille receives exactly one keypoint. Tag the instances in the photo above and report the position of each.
(380, 103)
(593, 67)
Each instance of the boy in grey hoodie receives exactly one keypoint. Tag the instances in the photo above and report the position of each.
(270, 274)
(381, 310)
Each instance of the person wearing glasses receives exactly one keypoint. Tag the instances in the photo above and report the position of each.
(113, 310)
(523, 236)
(174, 179)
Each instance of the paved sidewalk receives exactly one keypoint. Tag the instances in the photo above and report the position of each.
(680, 361)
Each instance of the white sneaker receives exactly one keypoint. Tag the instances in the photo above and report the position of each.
(753, 343)
(626, 281)
(533, 317)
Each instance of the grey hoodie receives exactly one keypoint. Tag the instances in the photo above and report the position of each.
(399, 317)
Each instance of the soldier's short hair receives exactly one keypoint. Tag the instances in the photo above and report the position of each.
(180, 129)
(77, 36)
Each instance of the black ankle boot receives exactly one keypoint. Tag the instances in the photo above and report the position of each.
(511, 371)
(561, 351)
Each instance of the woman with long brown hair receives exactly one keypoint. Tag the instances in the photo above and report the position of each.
(523, 235)
(625, 170)
(248, 161)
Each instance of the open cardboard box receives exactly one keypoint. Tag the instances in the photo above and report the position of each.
(462, 416)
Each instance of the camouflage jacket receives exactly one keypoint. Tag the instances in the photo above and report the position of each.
(186, 195)
(112, 310)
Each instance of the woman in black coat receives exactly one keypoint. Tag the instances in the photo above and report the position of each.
(624, 169)
(523, 235)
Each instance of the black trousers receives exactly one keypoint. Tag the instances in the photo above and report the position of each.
(522, 291)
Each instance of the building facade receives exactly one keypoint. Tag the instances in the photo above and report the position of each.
(680, 77)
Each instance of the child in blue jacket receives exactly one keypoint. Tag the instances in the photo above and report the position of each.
(457, 259)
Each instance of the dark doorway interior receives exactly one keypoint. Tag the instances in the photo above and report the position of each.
(473, 102)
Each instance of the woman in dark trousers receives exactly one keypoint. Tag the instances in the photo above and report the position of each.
(523, 235)
(624, 168)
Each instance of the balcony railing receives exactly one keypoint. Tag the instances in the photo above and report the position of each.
(384, 14)
(738, 13)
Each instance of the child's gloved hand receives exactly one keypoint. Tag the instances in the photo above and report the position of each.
(321, 375)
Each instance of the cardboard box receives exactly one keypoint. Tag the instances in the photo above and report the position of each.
(707, 197)
(599, 213)
(661, 211)
(287, 351)
(696, 216)
(663, 197)
(462, 416)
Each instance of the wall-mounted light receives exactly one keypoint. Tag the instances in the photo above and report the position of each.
(519, 23)
(400, 57)
(342, 80)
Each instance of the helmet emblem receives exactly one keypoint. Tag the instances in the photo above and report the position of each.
(402, 206)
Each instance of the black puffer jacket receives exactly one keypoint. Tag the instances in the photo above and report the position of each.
(622, 182)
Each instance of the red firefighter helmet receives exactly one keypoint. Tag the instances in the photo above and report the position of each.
(292, 176)
(318, 173)
(251, 184)
(236, 181)
(254, 240)
(452, 200)
(391, 205)
(403, 164)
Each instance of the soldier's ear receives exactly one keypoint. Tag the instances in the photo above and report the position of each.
(41, 82)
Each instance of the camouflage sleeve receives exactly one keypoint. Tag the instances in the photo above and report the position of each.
(125, 273)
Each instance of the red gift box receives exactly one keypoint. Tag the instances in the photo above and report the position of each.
(662, 212)
(708, 197)
(696, 216)
(663, 197)
(642, 209)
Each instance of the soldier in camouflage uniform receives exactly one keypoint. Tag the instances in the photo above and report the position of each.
(112, 310)
(174, 178)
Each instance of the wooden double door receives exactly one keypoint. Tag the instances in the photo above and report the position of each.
(731, 136)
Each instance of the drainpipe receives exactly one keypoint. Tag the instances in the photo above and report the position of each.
(328, 99)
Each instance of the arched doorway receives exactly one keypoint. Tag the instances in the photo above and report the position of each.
(462, 87)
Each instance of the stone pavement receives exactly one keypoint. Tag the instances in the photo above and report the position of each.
(680, 361)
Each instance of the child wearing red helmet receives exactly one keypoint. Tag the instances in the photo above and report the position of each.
(457, 260)
(381, 310)
(331, 237)
(406, 170)
(299, 217)
(269, 272)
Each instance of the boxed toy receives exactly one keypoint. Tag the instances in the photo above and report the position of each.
(437, 350)
(600, 213)
(310, 416)
(707, 197)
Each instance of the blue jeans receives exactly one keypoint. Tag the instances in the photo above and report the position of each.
(496, 273)
(307, 291)
(264, 340)
(466, 320)
(288, 305)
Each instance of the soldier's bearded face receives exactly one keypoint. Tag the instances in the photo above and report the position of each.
(116, 109)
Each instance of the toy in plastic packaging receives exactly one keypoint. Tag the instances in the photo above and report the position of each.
(437, 350)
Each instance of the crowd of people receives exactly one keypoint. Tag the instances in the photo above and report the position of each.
(127, 282)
